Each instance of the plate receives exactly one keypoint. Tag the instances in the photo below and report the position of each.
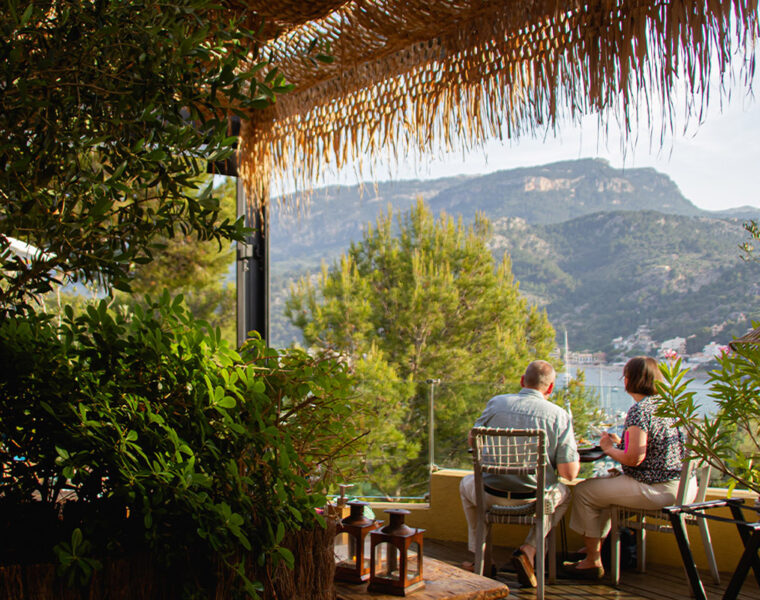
(590, 453)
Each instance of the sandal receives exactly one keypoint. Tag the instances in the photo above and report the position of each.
(572, 571)
(525, 573)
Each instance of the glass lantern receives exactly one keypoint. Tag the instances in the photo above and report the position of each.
(352, 562)
(396, 557)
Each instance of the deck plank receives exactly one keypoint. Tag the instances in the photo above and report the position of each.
(658, 583)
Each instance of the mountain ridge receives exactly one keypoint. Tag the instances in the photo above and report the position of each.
(579, 212)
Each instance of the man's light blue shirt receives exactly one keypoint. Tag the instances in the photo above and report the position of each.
(528, 409)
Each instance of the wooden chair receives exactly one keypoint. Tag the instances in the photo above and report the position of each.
(642, 520)
(512, 452)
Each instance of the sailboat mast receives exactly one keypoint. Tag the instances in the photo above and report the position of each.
(567, 376)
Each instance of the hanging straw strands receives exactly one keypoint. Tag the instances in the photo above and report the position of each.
(414, 76)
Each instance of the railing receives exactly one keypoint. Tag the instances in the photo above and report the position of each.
(418, 428)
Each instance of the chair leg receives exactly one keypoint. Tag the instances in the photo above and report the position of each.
(552, 555)
(707, 543)
(487, 553)
(641, 548)
(480, 543)
(615, 548)
(540, 559)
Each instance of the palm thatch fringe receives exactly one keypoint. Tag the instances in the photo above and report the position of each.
(415, 76)
(752, 338)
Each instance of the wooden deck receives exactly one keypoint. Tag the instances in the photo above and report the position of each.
(658, 583)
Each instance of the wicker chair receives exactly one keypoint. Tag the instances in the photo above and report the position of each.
(642, 520)
(512, 452)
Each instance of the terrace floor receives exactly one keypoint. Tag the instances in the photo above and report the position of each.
(658, 583)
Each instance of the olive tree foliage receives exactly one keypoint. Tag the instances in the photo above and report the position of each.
(416, 300)
(199, 271)
(109, 112)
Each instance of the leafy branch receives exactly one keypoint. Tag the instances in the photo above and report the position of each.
(728, 440)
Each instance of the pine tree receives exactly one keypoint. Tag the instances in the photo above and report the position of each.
(427, 302)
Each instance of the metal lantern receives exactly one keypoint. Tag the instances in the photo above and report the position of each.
(351, 563)
(396, 557)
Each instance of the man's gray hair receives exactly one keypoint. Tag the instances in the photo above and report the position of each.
(539, 375)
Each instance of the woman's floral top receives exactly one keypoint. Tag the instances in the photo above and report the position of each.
(665, 449)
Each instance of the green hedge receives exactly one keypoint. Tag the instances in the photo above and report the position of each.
(213, 457)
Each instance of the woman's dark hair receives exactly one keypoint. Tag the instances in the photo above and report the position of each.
(641, 372)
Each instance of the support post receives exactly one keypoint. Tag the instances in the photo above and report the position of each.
(431, 425)
(252, 273)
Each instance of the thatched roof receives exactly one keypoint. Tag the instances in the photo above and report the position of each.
(751, 338)
(413, 76)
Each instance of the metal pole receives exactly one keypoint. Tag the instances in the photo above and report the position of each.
(244, 254)
(431, 424)
(252, 271)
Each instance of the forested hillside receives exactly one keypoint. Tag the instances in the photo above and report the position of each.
(603, 275)
(603, 250)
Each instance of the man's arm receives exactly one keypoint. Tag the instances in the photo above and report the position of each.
(567, 450)
(569, 470)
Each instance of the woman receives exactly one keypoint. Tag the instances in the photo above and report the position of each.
(651, 458)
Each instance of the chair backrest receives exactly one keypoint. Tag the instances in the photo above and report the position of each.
(509, 452)
(692, 465)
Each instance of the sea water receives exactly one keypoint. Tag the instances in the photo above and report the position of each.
(607, 380)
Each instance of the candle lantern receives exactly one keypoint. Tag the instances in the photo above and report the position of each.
(396, 557)
(351, 559)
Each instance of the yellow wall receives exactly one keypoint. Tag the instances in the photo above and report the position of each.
(443, 519)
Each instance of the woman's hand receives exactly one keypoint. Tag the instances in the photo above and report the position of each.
(634, 452)
(607, 441)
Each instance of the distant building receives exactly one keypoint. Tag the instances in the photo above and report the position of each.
(713, 350)
(676, 344)
(581, 358)
(641, 339)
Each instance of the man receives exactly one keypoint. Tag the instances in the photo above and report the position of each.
(528, 409)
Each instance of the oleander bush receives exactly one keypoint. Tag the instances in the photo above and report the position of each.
(193, 452)
(728, 439)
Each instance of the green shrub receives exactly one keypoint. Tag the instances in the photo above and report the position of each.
(210, 455)
(727, 440)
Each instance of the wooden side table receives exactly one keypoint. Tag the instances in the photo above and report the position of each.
(749, 532)
(442, 582)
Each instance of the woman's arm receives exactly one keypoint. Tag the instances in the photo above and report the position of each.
(635, 451)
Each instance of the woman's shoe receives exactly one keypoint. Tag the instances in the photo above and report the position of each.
(572, 557)
(571, 571)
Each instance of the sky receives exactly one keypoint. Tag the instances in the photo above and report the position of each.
(715, 164)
